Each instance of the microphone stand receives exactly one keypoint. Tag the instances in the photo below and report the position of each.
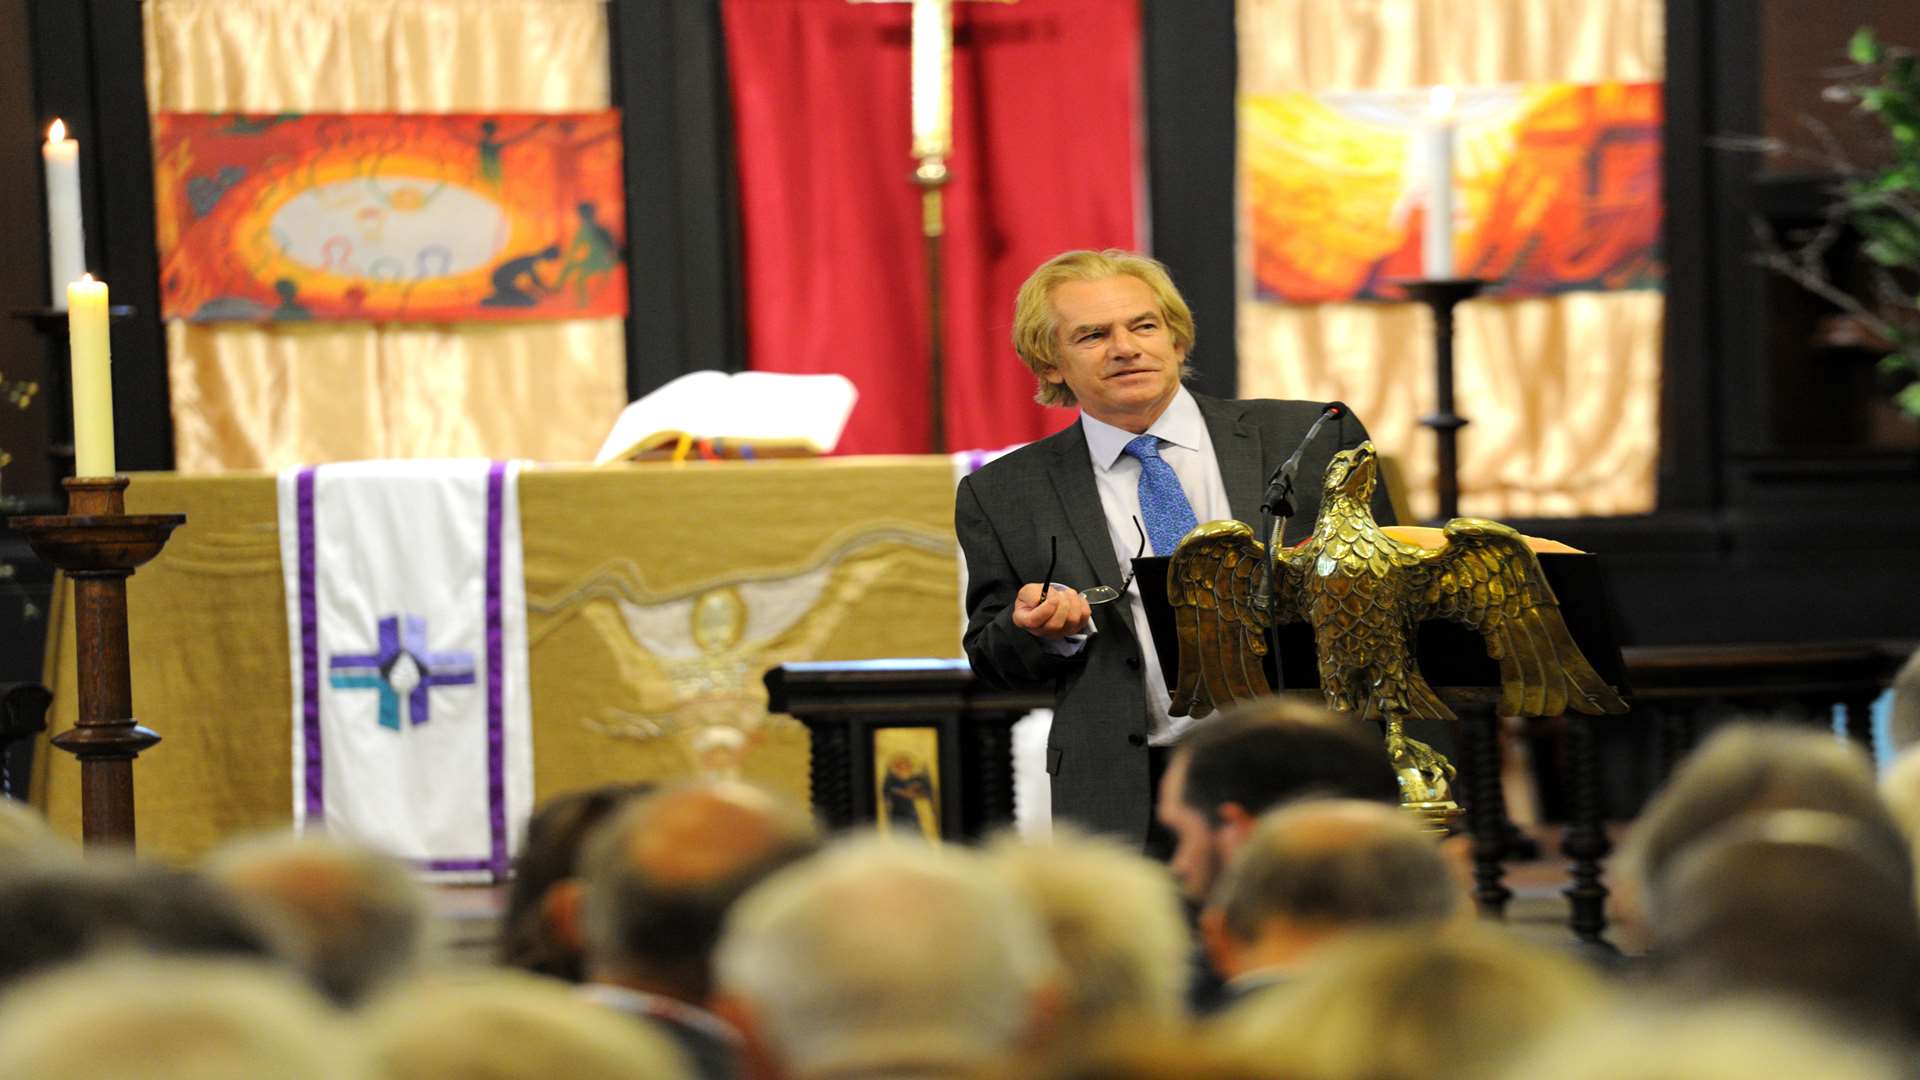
(1275, 511)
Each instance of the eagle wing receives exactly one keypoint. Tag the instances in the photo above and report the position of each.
(1488, 579)
(1214, 582)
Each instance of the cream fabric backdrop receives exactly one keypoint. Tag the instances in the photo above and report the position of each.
(1563, 391)
(264, 397)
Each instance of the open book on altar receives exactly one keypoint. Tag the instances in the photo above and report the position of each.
(742, 414)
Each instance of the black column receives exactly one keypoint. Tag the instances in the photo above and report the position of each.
(89, 69)
(683, 233)
(1192, 73)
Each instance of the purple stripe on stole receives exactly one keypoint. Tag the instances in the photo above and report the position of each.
(496, 736)
(442, 865)
(309, 655)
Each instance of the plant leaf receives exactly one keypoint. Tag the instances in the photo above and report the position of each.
(1864, 48)
(1908, 399)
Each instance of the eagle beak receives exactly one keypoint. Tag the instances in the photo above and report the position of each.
(1360, 476)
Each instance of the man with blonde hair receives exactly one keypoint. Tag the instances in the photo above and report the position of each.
(1108, 332)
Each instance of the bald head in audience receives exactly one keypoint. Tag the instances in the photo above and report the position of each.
(1115, 919)
(141, 1018)
(1742, 768)
(882, 959)
(1315, 871)
(1416, 1004)
(1810, 907)
(1230, 769)
(509, 1025)
(357, 918)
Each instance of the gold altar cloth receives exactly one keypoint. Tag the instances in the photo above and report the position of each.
(656, 597)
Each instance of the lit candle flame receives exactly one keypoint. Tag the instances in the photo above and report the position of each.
(57, 132)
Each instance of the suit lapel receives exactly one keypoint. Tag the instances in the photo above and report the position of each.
(1072, 475)
(1237, 447)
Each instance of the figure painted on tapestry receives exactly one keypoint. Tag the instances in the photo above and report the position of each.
(594, 253)
(490, 146)
(517, 283)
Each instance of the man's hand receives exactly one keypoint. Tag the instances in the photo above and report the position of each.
(1063, 613)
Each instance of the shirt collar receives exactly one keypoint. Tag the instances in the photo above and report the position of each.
(1181, 424)
(658, 1007)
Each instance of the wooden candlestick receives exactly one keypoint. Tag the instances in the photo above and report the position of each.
(98, 545)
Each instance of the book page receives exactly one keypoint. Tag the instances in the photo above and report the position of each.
(687, 404)
(748, 407)
(767, 406)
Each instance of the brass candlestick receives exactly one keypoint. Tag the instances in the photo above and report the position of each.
(98, 545)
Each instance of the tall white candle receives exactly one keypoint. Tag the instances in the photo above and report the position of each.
(1436, 144)
(932, 78)
(66, 229)
(92, 377)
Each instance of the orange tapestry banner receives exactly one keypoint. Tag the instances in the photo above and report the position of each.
(438, 218)
(1557, 188)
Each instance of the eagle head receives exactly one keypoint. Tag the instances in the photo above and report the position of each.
(1352, 472)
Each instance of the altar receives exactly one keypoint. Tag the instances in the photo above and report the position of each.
(657, 595)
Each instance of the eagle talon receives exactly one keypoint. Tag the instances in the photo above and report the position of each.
(1425, 774)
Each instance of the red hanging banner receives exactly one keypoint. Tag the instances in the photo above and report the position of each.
(1046, 157)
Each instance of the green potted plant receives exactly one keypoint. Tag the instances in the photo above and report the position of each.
(1879, 204)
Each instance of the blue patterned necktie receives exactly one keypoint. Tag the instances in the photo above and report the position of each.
(1164, 508)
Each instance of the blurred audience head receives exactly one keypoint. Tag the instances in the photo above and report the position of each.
(539, 932)
(25, 836)
(1693, 1041)
(1230, 769)
(139, 1017)
(661, 875)
(67, 911)
(1414, 1004)
(1803, 905)
(1742, 768)
(1315, 871)
(1900, 790)
(1116, 922)
(509, 1025)
(354, 918)
(1153, 1054)
(885, 957)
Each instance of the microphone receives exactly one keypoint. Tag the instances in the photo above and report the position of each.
(1279, 500)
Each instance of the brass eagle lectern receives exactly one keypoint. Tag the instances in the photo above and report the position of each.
(1365, 593)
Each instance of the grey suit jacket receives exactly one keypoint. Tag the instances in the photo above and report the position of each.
(1004, 515)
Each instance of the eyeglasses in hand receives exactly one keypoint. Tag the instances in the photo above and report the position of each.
(1099, 594)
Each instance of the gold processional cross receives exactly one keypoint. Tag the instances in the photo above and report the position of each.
(932, 144)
